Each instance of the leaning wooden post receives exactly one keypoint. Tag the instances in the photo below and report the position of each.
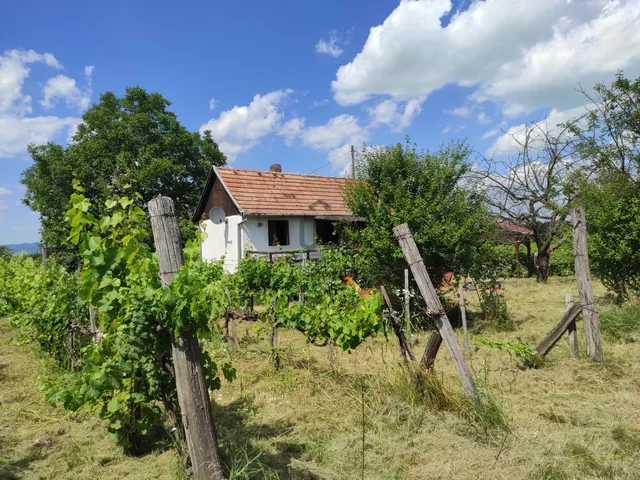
(407, 304)
(193, 395)
(412, 255)
(573, 331)
(585, 289)
(463, 314)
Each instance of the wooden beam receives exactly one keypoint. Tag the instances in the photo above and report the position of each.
(556, 333)
(435, 309)
(191, 385)
(463, 314)
(585, 288)
(573, 331)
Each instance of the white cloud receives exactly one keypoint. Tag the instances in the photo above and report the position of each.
(18, 132)
(319, 103)
(212, 104)
(13, 72)
(331, 46)
(452, 128)
(5, 191)
(462, 112)
(508, 142)
(388, 113)
(241, 128)
(63, 87)
(292, 129)
(3, 205)
(337, 131)
(483, 118)
(520, 57)
(491, 133)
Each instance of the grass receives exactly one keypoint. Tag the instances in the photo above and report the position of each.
(621, 323)
(41, 442)
(568, 419)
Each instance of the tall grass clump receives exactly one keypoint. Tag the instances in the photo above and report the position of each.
(621, 322)
(484, 411)
(494, 312)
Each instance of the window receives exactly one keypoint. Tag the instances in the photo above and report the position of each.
(278, 232)
(325, 232)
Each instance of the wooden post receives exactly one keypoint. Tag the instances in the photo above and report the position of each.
(463, 314)
(412, 255)
(193, 395)
(431, 350)
(274, 338)
(45, 256)
(585, 289)
(396, 323)
(407, 304)
(231, 320)
(330, 353)
(573, 332)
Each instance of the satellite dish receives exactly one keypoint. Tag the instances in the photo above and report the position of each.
(216, 215)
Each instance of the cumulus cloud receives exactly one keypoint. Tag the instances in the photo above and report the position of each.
(389, 112)
(241, 128)
(337, 131)
(292, 129)
(17, 129)
(462, 112)
(65, 88)
(483, 118)
(5, 191)
(331, 46)
(520, 57)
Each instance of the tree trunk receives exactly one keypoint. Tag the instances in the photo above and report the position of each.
(193, 394)
(543, 265)
(529, 262)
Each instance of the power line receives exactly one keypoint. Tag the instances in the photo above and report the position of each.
(331, 161)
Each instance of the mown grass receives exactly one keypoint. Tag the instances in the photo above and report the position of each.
(568, 419)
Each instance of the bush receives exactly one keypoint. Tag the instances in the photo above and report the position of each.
(494, 312)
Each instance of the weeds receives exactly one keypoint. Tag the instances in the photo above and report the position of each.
(484, 411)
(494, 313)
(621, 323)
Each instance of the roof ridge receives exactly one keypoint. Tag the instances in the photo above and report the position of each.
(308, 175)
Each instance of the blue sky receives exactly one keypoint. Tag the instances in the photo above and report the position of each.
(297, 82)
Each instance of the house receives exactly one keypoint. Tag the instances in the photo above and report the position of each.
(252, 212)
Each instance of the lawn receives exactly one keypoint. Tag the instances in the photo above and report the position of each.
(569, 419)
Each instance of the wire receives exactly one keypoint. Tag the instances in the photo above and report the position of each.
(331, 161)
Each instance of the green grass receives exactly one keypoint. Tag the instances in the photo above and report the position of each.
(621, 323)
(568, 419)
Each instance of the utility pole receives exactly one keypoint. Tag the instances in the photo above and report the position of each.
(353, 162)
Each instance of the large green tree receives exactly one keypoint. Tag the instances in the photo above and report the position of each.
(124, 144)
(400, 184)
(607, 139)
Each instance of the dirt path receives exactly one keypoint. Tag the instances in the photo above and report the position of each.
(39, 441)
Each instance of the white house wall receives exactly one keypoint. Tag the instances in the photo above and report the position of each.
(302, 233)
(225, 240)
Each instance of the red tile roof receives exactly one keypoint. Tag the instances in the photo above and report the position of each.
(506, 225)
(263, 193)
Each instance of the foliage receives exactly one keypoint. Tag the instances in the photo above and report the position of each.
(127, 375)
(42, 302)
(399, 184)
(612, 210)
(5, 252)
(133, 141)
(621, 322)
(494, 312)
(520, 350)
(331, 310)
(608, 135)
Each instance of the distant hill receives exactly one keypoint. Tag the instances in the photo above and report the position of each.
(25, 247)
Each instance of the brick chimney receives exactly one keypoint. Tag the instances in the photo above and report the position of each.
(276, 168)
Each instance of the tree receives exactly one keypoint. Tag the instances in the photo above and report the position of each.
(399, 184)
(608, 134)
(132, 143)
(529, 188)
(607, 139)
(5, 252)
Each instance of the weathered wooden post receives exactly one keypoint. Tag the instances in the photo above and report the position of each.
(193, 395)
(585, 288)
(274, 337)
(412, 255)
(463, 314)
(573, 331)
(45, 256)
(407, 304)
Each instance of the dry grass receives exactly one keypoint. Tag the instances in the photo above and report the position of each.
(41, 442)
(569, 419)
